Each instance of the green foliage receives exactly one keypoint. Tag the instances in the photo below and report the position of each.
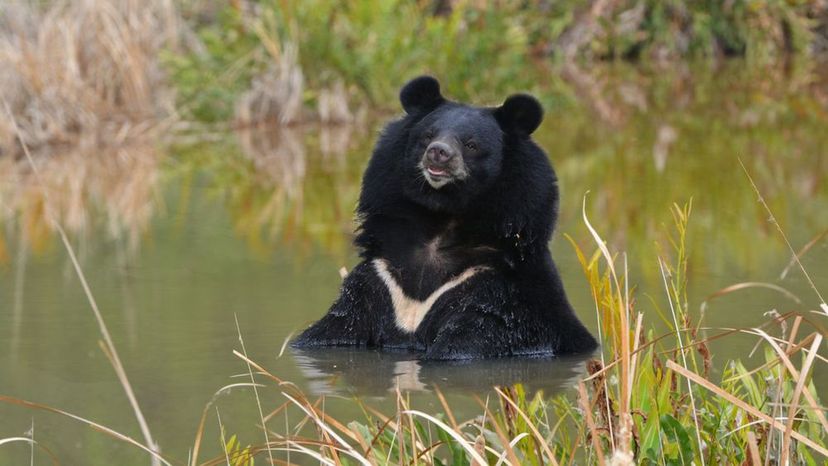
(235, 454)
(208, 81)
(479, 52)
(677, 447)
(372, 46)
(759, 29)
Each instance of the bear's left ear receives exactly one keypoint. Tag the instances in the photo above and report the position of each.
(520, 113)
(422, 93)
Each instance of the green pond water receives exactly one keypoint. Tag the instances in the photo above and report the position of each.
(179, 240)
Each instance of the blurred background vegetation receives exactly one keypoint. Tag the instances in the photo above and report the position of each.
(248, 61)
(323, 59)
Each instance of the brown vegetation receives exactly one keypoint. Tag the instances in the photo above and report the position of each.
(84, 73)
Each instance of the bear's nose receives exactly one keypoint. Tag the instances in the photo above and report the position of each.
(439, 152)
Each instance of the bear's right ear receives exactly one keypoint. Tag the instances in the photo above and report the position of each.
(421, 94)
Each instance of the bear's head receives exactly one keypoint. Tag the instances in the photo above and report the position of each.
(454, 152)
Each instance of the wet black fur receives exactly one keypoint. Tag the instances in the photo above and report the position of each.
(502, 217)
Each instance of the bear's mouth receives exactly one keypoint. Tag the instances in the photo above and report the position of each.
(437, 172)
(437, 176)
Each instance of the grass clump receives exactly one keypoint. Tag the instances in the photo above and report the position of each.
(653, 402)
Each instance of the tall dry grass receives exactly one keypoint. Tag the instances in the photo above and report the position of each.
(84, 72)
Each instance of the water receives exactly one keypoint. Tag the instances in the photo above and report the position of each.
(177, 243)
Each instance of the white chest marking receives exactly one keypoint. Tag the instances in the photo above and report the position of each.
(409, 312)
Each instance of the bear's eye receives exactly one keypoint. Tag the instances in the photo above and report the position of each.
(470, 145)
(428, 135)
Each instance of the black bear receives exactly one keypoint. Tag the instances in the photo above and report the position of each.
(457, 208)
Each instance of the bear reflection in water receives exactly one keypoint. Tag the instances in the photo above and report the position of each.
(457, 208)
(354, 371)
